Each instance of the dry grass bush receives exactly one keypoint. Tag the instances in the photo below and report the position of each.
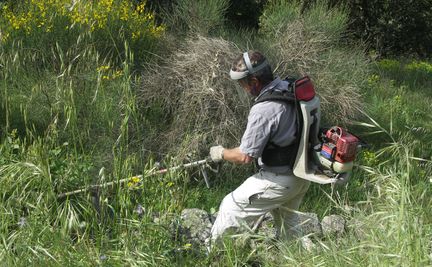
(202, 106)
(309, 44)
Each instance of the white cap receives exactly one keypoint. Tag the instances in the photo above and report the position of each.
(237, 75)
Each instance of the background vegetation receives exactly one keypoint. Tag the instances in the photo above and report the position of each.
(94, 92)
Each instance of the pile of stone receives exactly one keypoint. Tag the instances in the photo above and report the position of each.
(194, 226)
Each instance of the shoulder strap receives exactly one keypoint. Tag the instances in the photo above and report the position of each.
(281, 96)
(290, 80)
(285, 96)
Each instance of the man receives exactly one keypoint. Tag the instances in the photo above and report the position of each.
(269, 136)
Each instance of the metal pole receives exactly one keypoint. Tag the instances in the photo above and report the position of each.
(107, 184)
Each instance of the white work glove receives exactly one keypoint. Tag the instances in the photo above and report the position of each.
(216, 153)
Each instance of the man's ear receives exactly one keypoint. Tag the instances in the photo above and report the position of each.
(255, 82)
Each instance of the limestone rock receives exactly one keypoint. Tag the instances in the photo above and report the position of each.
(194, 225)
(309, 224)
(333, 225)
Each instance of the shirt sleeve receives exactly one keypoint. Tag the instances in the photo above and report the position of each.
(256, 135)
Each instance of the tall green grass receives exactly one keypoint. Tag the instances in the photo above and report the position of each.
(391, 227)
(196, 17)
(69, 118)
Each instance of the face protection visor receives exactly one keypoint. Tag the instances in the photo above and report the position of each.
(238, 75)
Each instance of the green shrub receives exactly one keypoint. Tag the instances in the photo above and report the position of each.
(41, 25)
(244, 13)
(398, 95)
(276, 15)
(415, 75)
(198, 16)
(310, 43)
(393, 27)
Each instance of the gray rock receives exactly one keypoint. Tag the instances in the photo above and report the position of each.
(333, 225)
(307, 243)
(309, 224)
(194, 226)
(214, 216)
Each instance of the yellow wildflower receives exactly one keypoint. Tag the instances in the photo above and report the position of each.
(103, 68)
(135, 179)
(187, 246)
(117, 74)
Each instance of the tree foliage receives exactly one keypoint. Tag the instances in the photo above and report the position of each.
(393, 26)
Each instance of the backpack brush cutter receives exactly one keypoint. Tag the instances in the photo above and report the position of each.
(203, 164)
(322, 157)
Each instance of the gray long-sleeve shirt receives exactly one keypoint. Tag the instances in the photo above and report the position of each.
(269, 121)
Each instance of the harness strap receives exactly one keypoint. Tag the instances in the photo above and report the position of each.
(274, 155)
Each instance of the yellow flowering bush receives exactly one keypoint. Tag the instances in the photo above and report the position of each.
(421, 73)
(109, 23)
(419, 66)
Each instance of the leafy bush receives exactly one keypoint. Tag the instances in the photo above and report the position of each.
(107, 25)
(244, 13)
(389, 27)
(74, 63)
(412, 74)
(392, 27)
(198, 17)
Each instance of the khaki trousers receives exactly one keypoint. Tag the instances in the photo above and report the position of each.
(261, 193)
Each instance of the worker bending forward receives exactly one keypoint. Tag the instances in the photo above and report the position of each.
(270, 137)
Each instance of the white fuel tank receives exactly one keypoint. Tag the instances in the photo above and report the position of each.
(335, 166)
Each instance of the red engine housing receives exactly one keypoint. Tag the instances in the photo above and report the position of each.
(346, 144)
